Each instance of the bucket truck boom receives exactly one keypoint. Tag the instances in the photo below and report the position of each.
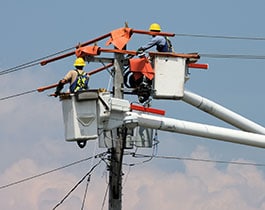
(90, 113)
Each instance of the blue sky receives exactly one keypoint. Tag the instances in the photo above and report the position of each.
(32, 136)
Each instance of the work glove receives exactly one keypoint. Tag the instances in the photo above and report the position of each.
(140, 51)
(59, 88)
(56, 93)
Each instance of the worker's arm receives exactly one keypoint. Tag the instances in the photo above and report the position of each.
(154, 41)
(59, 87)
(62, 82)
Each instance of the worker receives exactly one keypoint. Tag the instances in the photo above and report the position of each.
(77, 78)
(162, 43)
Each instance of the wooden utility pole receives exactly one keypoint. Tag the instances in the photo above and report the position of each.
(118, 135)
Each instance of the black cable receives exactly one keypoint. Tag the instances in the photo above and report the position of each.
(225, 56)
(233, 56)
(18, 94)
(78, 183)
(84, 198)
(200, 160)
(17, 68)
(136, 155)
(223, 37)
(105, 197)
(36, 62)
(48, 172)
(32, 63)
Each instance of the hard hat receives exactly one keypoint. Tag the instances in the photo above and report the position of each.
(154, 27)
(79, 62)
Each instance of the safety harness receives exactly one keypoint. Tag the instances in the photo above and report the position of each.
(167, 47)
(81, 82)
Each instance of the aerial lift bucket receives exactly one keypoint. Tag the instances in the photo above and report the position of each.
(80, 116)
(170, 76)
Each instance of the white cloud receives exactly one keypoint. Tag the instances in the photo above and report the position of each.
(200, 186)
(42, 191)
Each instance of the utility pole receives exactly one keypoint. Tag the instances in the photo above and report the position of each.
(118, 135)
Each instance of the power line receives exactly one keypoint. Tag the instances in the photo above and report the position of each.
(36, 62)
(135, 155)
(78, 183)
(17, 95)
(233, 56)
(222, 37)
(209, 55)
(85, 194)
(32, 63)
(224, 56)
(19, 67)
(198, 160)
(48, 172)
(105, 197)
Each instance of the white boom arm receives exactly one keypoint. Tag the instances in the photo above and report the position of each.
(195, 129)
(88, 114)
(222, 113)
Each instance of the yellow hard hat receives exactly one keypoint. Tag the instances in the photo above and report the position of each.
(154, 27)
(79, 62)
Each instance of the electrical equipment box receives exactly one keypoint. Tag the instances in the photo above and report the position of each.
(144, 137)
(111, 114)
(105, 139)
(139, 137)
(169, 77)
(80, 116)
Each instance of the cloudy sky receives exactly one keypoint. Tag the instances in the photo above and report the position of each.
(32, 133)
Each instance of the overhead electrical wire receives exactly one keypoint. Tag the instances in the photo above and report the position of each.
(77, 184)
(233, 56)
(85, 194)
(222, 37)
(36, 62)
(50, 171)
(32, 63)
(105, 197)
(199, 160)
(209, 55)
(135, 155)
(18, 94)
(19, 67)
